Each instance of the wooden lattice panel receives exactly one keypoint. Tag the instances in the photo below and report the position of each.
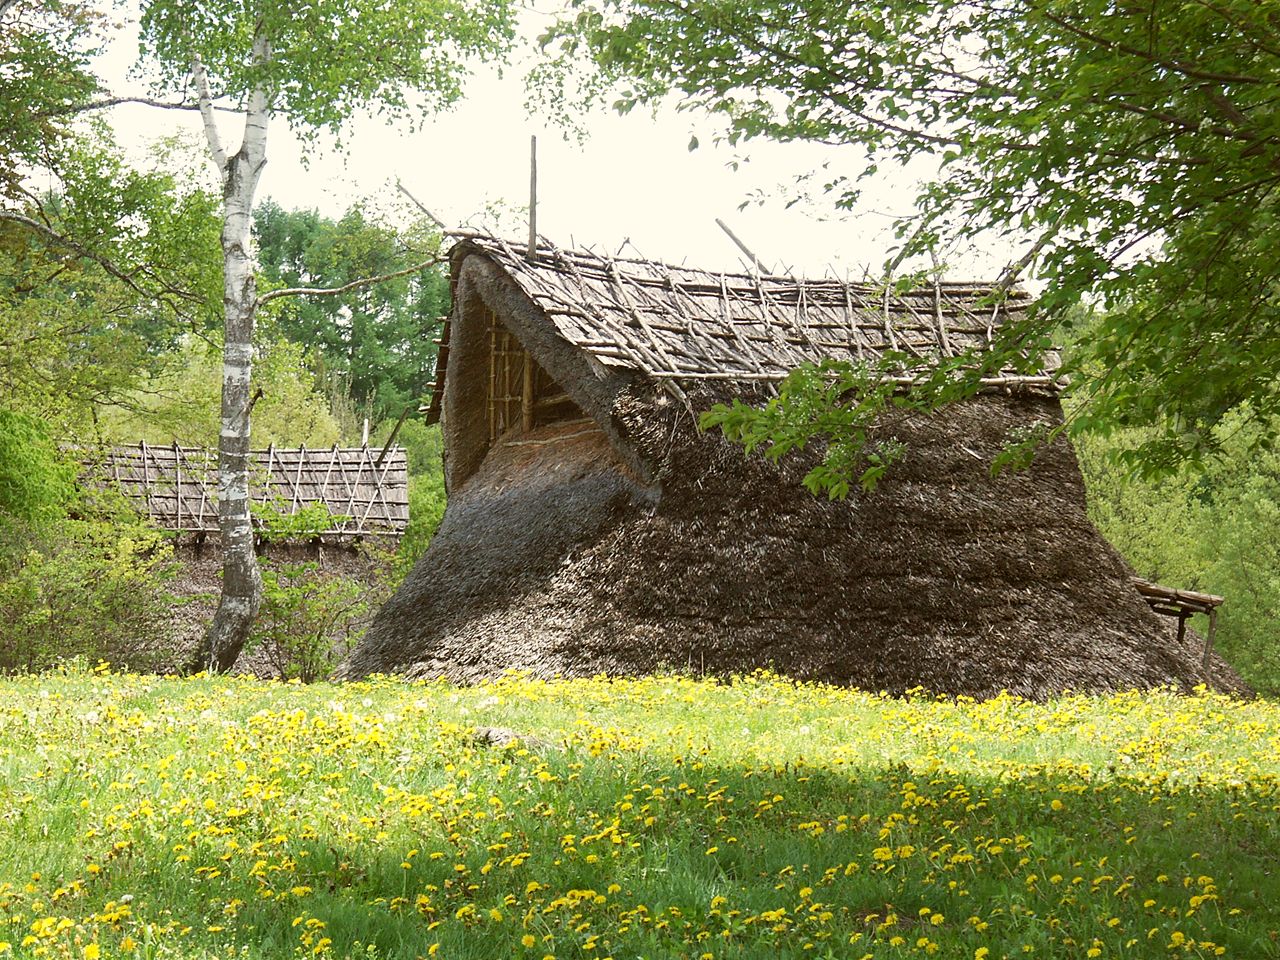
(176, 486)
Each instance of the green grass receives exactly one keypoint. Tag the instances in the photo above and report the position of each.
(147, 817)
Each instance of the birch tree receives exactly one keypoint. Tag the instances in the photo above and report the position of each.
(313, 66)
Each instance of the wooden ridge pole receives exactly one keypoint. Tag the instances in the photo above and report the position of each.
(531, 254)
(755, 261)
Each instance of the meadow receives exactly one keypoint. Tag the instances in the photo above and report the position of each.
(145, 817)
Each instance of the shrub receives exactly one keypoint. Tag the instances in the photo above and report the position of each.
(80, 574)
(309, 619)
(35, 482)
(426, 508)
(312, 617)
(91, 587)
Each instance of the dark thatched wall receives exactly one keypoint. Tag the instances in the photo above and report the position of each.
(554, 558)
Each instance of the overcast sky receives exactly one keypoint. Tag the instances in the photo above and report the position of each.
(633, 179)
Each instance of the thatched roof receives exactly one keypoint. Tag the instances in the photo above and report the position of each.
(615, 537)
(679, 325)
(176, 487)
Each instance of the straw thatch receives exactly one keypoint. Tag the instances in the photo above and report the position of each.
(592, 528)
(365, 490)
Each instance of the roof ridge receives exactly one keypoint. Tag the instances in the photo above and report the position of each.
(485, 239)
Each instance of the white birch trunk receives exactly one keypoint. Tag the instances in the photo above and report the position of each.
(241, 580)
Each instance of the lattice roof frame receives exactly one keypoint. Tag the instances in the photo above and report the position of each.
(679, 325)
(175, 486)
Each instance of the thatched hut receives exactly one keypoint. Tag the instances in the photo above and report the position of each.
(592, 528)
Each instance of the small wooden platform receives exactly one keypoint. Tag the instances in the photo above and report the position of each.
(1183, 604)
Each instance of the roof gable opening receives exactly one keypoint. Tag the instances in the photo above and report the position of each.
(521, 394)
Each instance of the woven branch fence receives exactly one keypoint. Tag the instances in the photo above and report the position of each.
(365, 490)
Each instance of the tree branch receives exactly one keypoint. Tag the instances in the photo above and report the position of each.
(204, 102)
(127, 277)
(353, 285)
(108, 102)
(1014, 270)
(76, 248)
(1178, 66)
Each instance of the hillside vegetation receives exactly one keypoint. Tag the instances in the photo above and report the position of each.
(665, 817)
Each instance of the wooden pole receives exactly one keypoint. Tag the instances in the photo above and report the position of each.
(531, 254)
(418, 203)
(755, 261)
(146, 481)
(1208, 640)
(526, 407)
(392, 439)
(177, 471)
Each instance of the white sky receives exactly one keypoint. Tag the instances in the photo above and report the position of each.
(633, 179)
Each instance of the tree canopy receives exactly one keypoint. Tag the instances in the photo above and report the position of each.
(379, 339)
(45, 52)
(1133, 150)
(321, 63)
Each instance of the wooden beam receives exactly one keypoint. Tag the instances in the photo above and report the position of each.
(526, 404)
(1208, 640)
(552, 401)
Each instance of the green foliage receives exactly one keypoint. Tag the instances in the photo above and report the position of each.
(1134, 146)
(423, 445)
(1214, 528)
(75, 335)
(280, 524)
(320, 70)
(830, 403)
(427, 501)
(45, 53)
(312, 616)
(309, 620)
(180, 401)
(88, 587)
(378, 340)
(424, 450)
(35, 480)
